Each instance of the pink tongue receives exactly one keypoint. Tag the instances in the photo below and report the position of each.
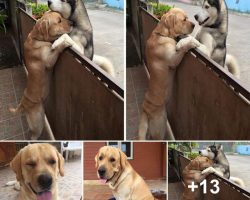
(103, 181)
(45, 196)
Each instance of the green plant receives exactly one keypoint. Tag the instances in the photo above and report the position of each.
(160, 9)
(39, 10)
(3, 17)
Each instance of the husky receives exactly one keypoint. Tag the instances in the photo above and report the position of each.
(213, 19)
(221, 165)
(82, 33)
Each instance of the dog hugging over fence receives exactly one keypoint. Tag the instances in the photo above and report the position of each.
(66, 25)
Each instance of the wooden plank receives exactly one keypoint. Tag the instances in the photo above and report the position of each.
(227, 190)
(203, 107)
(80, 106)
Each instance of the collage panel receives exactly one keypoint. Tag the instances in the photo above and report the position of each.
(208, 170)
(40, 171)
(187, 71)
(56, 76)
(125, 170)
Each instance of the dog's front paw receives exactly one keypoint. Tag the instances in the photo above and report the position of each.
(209, 170)
(187, 43)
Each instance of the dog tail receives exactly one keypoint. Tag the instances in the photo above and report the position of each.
(237, 181)
(105, 64)
(18, 109)
(15, 183)
(143, 126)
(232, 65)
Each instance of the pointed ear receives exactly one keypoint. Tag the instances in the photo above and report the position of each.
(60, 163)
(219, 147)
(15, 165)
(96, 159)
(123, 159)
(43, 28)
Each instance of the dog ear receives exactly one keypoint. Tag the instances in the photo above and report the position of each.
(60, 163)
(96, 159)
(219, 147)
(43, 28)
(123, 159)
(15, 165)
(170, 21)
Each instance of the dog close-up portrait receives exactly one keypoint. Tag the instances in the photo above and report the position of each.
(113, 168)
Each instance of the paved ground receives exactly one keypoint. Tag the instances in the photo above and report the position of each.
(95, 190)
(238, 41)
(109, 30)
(239, 167)
(70, 186)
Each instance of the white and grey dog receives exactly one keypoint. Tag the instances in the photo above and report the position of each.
(221, 165)
(81, 37)
(213, 19)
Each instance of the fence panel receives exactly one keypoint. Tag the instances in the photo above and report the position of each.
(84, 102)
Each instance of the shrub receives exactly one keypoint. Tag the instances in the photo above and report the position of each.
(160, 9)
(39, 10)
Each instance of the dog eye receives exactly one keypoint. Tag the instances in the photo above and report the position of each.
(52, 161)
(31, 164)
(59, 21)
(206, 6)
(100, 158)
(112, 160)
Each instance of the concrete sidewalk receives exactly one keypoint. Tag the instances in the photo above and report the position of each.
(109, 32)
(238, 41)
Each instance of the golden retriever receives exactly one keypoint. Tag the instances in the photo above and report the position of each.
(192, 173)
(113, 168)
(163, 55)
(40, 57)
(37, 167)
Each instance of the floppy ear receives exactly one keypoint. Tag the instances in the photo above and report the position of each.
(123, 159)
(60, 163)
(43, 28)
(170, 21)
(96, 159)
(195, 164)
(15, 165)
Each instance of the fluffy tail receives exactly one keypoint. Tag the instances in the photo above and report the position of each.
(105, 64)
(238, 181)
(15, 183)
(232, 65)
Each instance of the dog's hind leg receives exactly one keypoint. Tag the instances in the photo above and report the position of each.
(143, 126)
(36, 119)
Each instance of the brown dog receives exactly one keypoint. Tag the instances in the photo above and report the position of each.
(39, 59)
(113, 168)
(37, 167)
(192, 173)
(163, 55)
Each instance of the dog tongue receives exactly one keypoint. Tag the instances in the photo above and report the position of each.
(103, 181)
(45, 196)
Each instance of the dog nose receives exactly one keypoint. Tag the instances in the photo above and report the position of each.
(49, 3)
(45, 181)
(196, 17)
(193, 25)
(199, 152)
(101, 171)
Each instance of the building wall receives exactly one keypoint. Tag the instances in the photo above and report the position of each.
(115, 3)
(241, 6)
(148, 159)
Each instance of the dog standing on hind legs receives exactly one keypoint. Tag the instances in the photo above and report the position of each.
(163, 55)
(213, 19)
(221, 165)
(40, 57)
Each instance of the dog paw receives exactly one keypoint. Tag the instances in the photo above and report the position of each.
(187, 43)
(208, 170)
